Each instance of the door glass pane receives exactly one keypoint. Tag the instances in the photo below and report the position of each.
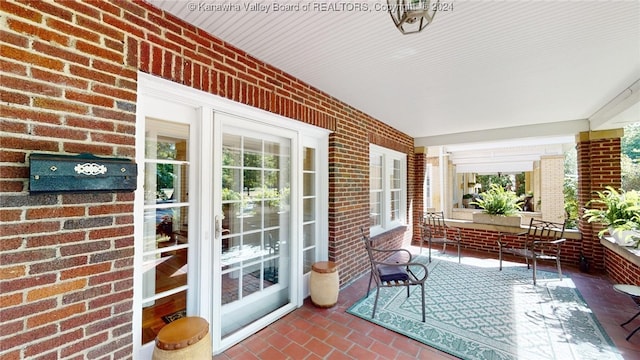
(232, 189)
(271, 155)
(165, 227)
(231, 151)
(309, 159)
(309, 241)
(309, 183)
(252, 154)
(256, 227)
(309, 209)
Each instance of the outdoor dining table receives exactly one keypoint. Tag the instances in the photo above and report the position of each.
(633, 291)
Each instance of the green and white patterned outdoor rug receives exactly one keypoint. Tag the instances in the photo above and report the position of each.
(474, 311)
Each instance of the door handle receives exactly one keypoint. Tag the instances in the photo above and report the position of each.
(218, 225)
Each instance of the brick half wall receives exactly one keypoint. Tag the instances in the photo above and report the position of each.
(69, 75)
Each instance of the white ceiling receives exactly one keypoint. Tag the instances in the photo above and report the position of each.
(487, 70)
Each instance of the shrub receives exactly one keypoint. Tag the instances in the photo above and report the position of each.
(498, 201)
(617, 209)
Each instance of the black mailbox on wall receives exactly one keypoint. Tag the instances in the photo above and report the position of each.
(79, 173)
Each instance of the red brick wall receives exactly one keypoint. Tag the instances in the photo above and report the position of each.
(349, 188)
(69, 86)
(621, 270)
(485, 241)
(419, 170)
(598, 166)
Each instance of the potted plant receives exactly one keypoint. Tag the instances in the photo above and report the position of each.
(619, 212)
(466, 199)
(500, 207)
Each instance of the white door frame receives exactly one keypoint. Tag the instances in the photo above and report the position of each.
(155, 96)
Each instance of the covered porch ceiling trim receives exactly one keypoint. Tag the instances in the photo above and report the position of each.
(496, 167)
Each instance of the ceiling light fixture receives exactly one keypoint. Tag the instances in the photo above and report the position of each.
(412, 16)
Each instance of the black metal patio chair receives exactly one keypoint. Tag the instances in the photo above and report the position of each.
(434, 230)
(542, 241)
(394, 269)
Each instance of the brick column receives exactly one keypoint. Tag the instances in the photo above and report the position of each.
(599, 154)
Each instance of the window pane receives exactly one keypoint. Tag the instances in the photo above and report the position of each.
(375, 172)
(376, 208)
(375, 183)
(395, 205)
(396, 173)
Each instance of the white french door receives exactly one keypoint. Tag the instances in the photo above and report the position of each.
(231, 211)
(254, 273)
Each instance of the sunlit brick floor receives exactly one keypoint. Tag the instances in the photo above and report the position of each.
(314, 333)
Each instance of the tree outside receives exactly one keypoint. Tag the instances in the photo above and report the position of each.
(631, 157)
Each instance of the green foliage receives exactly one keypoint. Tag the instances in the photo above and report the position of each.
(164, 176)
(488, 180)
(630, 173)
(273, 197)
(630, 144)
(571, 162)
(498, 201)
(228, 194)
(570, 191)
(619, 209)
(520, 184)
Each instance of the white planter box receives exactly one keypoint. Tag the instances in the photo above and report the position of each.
(483, 218)
(624, 237)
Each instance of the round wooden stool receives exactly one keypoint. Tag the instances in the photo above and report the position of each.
(324, 284)
(185, 338)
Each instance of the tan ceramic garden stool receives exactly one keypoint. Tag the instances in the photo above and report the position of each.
(324, 283)
(185, 338)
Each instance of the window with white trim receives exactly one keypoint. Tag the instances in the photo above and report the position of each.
(387, 189)
(428, 187)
